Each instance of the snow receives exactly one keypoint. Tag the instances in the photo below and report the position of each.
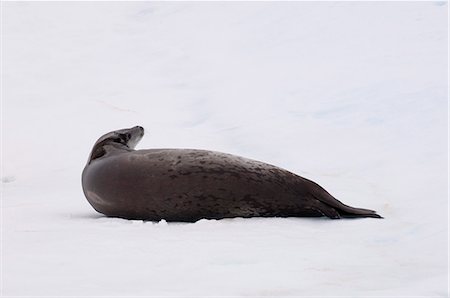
(352, 95)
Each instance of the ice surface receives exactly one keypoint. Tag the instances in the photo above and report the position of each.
(352, 95)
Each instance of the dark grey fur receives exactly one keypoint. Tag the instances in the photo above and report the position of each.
(188, 185)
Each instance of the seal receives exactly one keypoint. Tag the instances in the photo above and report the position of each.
(190, 184)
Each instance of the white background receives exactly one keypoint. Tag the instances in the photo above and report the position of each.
(352, 95)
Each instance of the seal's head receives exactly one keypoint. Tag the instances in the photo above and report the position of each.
(123, 139)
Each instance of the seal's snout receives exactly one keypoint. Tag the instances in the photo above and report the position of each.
(140, 129)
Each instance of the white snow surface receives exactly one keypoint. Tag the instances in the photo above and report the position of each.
(352, 95)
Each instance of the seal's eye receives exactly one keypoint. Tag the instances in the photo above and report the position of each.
(128, 136)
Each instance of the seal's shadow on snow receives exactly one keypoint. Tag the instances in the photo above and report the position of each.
(101, 217)
(90, 215)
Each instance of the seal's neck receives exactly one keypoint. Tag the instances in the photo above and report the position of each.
(103, 150)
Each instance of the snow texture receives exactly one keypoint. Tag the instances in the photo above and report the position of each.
(352, 95)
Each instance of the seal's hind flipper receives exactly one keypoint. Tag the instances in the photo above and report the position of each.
(326, 210)
(342, 210)
(358, 212)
